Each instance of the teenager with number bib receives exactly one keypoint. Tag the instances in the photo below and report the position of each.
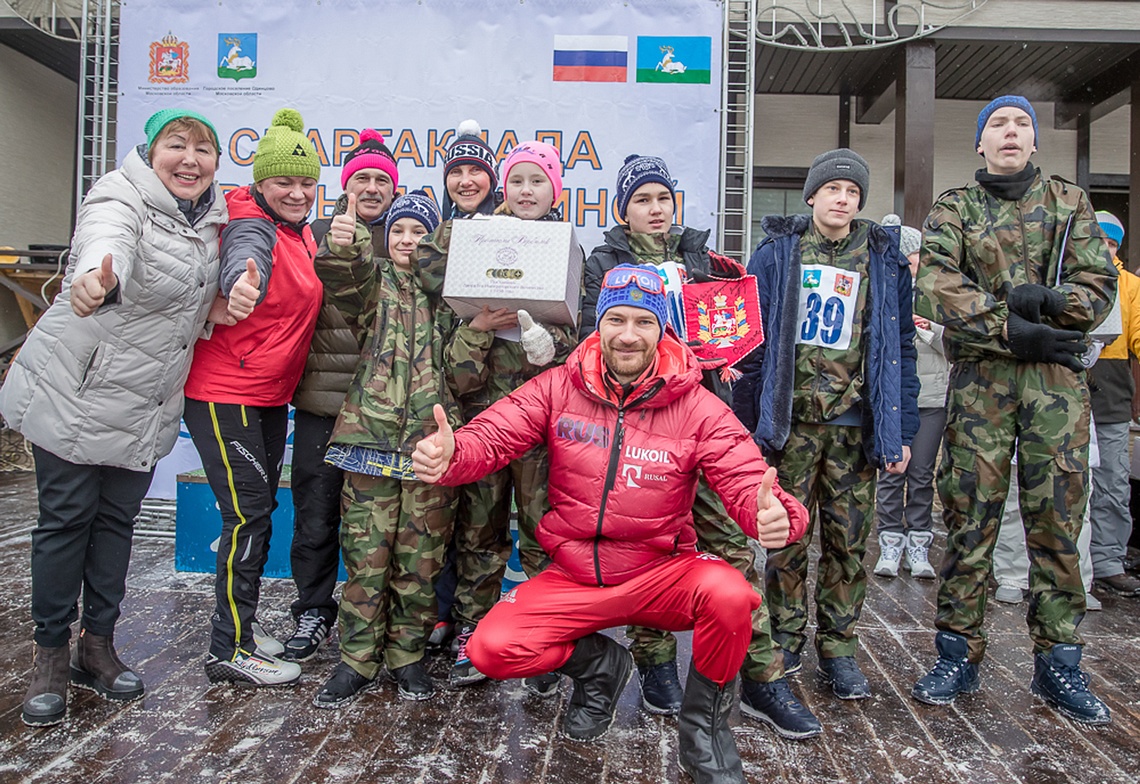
(831, 397)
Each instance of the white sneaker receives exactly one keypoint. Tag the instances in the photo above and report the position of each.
(890, 553)
(253, 669)
(265, 643)
(1009, 594)
(916, 559)
(1092, 604)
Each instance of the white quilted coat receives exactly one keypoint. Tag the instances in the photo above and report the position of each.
(107, 389)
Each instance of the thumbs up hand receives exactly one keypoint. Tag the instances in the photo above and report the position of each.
(342, 231)
(90, 289)
(772, 523)
(536, 341)
(246, 290)
(433, 454)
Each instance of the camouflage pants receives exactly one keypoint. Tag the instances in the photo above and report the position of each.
(824, 466)
(393, 535)
(717, 533)
(482, 532)
(1042, 410)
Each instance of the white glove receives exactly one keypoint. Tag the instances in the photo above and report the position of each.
(536, 341)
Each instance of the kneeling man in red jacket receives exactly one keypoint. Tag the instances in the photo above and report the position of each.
(629, 428)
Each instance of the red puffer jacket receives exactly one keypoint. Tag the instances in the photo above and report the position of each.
(623, 476)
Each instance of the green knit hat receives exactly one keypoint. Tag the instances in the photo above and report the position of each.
(285, 151)
(164, 117)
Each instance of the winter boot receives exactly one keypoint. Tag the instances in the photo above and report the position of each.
(952, 675)
(96, 666)
(916, 557)
(661, 688)
(890, 554)
(775, 705)
(847, 681)
(344, 686)
(706, 748)
(1058, 679)
(600, 668)
(45, 701)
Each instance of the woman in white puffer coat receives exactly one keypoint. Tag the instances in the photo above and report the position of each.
(97, 390)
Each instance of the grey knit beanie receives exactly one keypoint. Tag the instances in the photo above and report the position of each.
(841, 164)
(910, 239)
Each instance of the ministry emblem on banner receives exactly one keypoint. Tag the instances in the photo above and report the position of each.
(169, 61)
(722, 318)
(237, 56)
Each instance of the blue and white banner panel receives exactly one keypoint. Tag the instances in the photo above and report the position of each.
(600, 79)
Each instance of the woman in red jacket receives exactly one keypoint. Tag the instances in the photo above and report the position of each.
(242, 379)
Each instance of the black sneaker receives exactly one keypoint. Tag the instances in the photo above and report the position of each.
(661, 691)
(463, 672)
(845, 678)
(792, 663)
(1059, 680)
(952, 675)
(345, 685)
(775, 705)
(414, 682)
(312, 630)
(543, 685)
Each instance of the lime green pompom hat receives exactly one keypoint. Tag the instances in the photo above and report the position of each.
(164, 117)
(285, 151)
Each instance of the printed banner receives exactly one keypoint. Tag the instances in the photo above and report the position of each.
(599, 80)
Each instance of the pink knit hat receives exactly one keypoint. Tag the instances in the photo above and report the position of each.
(545, 156)
(370, 154)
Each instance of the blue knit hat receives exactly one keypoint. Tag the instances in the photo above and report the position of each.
(1111, 225)
(416, 204)
(1017, 102)
(637, 171)
(636, 285)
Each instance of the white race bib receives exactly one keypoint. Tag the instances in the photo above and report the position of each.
(828, 298)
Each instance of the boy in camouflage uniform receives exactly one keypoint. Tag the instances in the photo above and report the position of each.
(831, 396)
(395, 528)
(1017, 270)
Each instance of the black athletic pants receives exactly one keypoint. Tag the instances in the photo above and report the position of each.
(81, 541)
(314, 555)
(241, 448)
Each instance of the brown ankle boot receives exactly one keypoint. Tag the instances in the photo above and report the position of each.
(96, 666)
(45, 702)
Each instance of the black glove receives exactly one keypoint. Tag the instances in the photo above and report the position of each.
(1032, 301)
(1042, 343)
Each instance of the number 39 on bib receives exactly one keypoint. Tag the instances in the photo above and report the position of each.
(828, 298)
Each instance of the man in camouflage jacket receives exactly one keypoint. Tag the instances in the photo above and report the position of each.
(1017, 270)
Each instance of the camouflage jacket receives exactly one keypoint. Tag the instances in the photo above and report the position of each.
(401, 373)
(332, 359)
(485, 368)
(977, 247)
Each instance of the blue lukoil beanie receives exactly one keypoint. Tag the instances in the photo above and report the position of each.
(1017, 102)
(627, 284)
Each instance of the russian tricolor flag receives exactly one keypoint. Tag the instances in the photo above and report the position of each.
(591, 58)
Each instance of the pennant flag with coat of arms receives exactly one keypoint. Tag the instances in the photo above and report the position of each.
(722, 320)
